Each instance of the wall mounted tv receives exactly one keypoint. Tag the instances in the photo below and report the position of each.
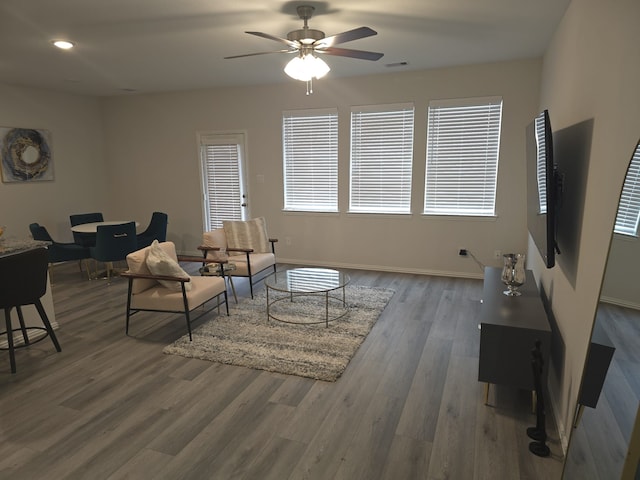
(542, 188)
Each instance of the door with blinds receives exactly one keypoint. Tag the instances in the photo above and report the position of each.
(222, 166)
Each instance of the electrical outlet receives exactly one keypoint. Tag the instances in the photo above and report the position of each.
(497, 254)
(287, 240)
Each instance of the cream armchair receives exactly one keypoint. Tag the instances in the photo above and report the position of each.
(157, 283)
(247, 245)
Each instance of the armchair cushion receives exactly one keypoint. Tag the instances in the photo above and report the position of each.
(259, 262)
(250, 234)
(215, 238)
(162, 299)
(137, 263)
(160, 262)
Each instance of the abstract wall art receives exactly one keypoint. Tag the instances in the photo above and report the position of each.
(26, 155)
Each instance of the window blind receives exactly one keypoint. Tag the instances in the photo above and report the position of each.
(222, 173)
(463, 140)
(310, 150)
(541, 165)
(381, 159)
(628, 214)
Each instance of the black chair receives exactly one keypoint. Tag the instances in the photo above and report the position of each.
(114, 243)
(60, 252)
(23, 281)
(157, 230)
(85, 239)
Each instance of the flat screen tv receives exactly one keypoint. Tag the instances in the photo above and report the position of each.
(542, 188)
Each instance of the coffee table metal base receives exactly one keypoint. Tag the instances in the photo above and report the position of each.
(343, 310)
(325, 284)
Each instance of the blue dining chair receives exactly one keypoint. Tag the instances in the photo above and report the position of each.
(113, 244)
(58, 251)
(85, 239)
(157, 230)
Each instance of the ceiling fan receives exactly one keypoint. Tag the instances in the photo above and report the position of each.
(307, 43)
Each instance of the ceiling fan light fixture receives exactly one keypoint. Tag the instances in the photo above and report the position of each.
(63, 44)
(307, 67)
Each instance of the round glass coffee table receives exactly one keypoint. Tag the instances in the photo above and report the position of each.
(323, 291)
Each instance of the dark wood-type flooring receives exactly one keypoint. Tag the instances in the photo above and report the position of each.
(409, 405)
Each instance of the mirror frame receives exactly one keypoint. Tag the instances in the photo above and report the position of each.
(630, 466)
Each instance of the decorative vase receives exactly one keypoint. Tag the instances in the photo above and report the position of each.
(513, 273)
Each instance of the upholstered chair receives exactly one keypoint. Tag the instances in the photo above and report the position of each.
(157, 230)
(60, 252)
(157, 283)
(85, 239)
(248, 246)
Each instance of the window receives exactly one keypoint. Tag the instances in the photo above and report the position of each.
(541, 163)
(310, 150)
(381, 159)
(629, 208)
(222, 157)
(463, 140)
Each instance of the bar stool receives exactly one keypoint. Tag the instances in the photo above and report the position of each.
(23, 281)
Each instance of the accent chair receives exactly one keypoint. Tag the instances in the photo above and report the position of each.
(248, 246)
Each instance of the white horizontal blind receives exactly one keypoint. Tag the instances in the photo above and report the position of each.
(629, 207)
(310, 150)
(463, 140)
(381, 159)
(221, 157)
(541, 164)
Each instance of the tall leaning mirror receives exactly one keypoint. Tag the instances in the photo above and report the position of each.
(604, 439)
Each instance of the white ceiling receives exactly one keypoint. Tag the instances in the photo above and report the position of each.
(169, 45)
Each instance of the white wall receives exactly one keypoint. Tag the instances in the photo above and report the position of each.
(152, 155)
(591, 70)
(621, 285)
(75, 124)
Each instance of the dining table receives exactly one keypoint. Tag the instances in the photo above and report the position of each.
(92, 227)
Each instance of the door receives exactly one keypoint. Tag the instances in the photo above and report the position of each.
(223, 178)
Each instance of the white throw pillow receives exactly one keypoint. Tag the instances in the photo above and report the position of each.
(160, 263)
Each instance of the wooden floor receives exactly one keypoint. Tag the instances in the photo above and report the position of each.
(409, 405)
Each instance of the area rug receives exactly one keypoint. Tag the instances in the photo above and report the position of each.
(246, 338)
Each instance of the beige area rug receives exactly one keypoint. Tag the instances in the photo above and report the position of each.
(246, 338)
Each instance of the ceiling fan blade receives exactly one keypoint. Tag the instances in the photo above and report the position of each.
(347, 36)
(259, 53)
(347, 52)
(277, 39)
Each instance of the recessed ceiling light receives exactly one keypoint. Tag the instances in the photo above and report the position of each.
(63, 44)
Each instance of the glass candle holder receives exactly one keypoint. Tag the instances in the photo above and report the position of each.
(513, 273)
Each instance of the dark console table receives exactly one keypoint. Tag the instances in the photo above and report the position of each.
(509, 328)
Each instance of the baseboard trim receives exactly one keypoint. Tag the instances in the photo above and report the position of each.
(620, 303)
(555, 408)
(381, 268)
